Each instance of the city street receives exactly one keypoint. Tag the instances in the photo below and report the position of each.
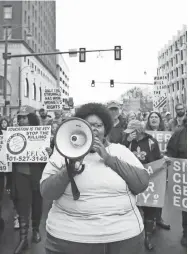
(167, 242)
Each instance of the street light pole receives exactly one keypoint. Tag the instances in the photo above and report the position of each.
(5, 71)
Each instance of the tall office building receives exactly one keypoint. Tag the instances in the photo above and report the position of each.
(35, 17)
(27, 77)
(172, 63)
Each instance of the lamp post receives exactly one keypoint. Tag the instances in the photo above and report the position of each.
(5, 56)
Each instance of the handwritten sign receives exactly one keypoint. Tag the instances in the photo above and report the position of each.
(28, 144)
(154, 195)
(162, 137)
(3, 158)
(53, 99)
(177, 183)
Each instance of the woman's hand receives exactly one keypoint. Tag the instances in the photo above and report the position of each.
(167, 161)
(100, 148)
(49, 151)
(131, 136)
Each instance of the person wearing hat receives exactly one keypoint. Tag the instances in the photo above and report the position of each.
(26, 191)
(116, 133)
(146, 149)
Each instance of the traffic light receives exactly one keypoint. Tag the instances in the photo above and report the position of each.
(82, 55)
(111, 83)
(117, 52)
(93, 83)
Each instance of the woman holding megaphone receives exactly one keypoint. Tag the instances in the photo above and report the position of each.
(103, 217)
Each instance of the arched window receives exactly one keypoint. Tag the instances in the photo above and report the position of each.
(40, 94)
(26, 88)
(34, 92)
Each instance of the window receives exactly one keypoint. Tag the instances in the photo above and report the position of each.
(183, 83)
(176, 72)
(176, 58)
(9, 32)
(178, 86)
(40, 94)
(33, 31)
(24, 58)
(25, 16)
(34, 92)
(173, 87)
(28, 61)
(29, 22)
(182, 69)
(26, 88)
(33, 11)
(7, 12)
(181, 54)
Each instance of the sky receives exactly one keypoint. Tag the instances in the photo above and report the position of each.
(140, 27)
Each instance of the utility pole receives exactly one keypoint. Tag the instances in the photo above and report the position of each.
(5, 71)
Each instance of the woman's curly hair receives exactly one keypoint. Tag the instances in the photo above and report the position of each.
(161, 124)
(99, 110)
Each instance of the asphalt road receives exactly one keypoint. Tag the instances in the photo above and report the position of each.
(167, 242)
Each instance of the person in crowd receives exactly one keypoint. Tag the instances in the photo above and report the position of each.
(177, 148)
(155, 123)
(44, 118)
(26, 191)
(178, 120)
(4, 123)
(116, 133)
(146, 149)
(163, 113)
(2, 182)
(58, 117)
(131, 116)
(167, 120)
(105, 217)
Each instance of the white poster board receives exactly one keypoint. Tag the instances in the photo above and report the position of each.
(3, 157)
(53, 99)
(28, 143)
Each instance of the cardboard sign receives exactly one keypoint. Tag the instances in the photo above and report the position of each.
(28, 143)
(154, 195)
(177, 183)
(162, 137)
(3, 157)
(53, 99)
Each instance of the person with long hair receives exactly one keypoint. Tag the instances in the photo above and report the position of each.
(105, 218)
(26, 191)
(156, 123)
(146, 149)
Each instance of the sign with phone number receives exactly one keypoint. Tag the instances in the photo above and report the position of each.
(28, 143)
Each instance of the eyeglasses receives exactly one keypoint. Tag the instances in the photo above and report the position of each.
(96, 125)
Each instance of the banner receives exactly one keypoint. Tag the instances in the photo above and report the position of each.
(154, 195)
(162, 137)
(3, 157)
(28, 143)
(53, 99)
(177, 183)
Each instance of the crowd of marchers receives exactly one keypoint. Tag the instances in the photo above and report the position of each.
(106, 216)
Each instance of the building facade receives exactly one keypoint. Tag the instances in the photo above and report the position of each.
(27, 77)
(63, 78)
(172, 63)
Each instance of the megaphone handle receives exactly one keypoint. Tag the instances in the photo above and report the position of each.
(75, 191)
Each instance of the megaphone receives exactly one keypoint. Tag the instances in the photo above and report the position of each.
(74, 140)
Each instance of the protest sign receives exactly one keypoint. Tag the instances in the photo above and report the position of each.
(28, 143)
(3, 157)
(162, 137)
(154, 195)
(53, 99)
(177, 183)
